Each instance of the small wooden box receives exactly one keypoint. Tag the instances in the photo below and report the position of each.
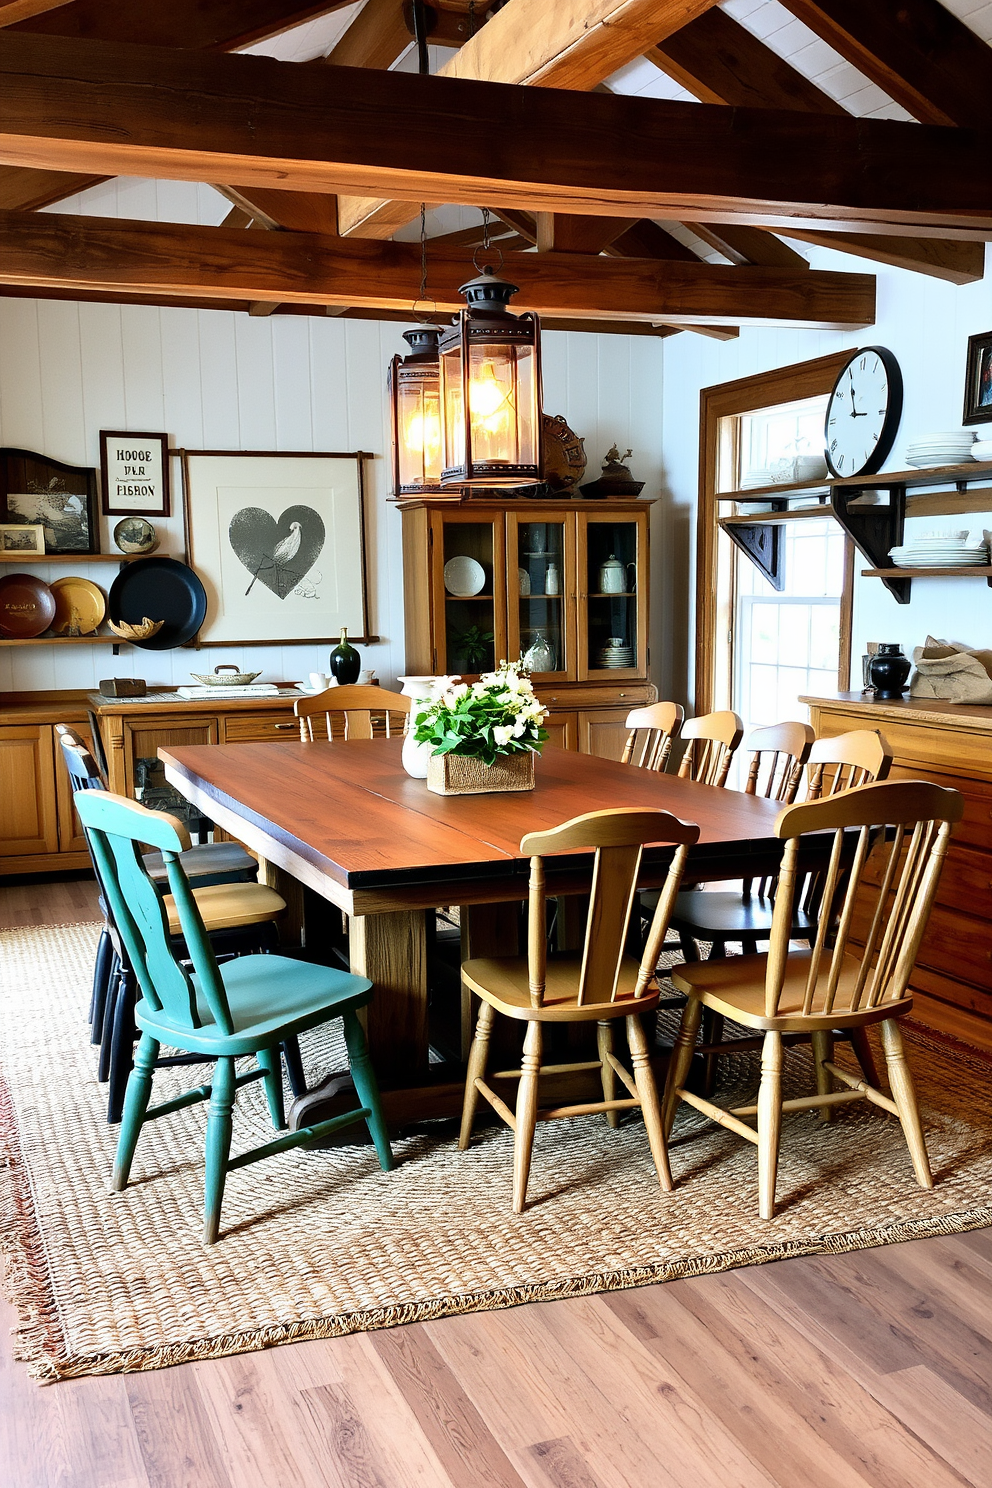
(462, 775)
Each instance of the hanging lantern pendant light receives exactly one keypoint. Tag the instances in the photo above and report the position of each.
(415, 406)
(491, 390)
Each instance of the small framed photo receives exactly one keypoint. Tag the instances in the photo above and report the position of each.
(978, 380)
(135, 474)
(21, 539)
(38, 491)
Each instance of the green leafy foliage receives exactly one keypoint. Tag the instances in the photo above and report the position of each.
(497, 715)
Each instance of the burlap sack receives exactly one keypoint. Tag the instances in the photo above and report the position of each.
(952, 673)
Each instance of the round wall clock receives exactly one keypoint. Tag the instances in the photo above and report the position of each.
(863, 412)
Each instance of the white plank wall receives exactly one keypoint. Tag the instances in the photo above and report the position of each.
(927, 324)
(218, 380)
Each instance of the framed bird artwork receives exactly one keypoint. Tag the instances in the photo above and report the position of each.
(278, 541)
(48, 493)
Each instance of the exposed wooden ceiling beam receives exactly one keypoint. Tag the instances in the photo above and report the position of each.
(222, 25)
(722, 62)
(226, 24)
(571, 44)
(957, 263)
(166, 258)
(297, 211)
(646, 239)
(12, 11)
(257, 122)
(342, 312)
(917, 51)
(376, 37)
(749, 245)
(719, 61)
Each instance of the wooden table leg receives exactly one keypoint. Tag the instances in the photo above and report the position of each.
(391, 950)
(291, 925)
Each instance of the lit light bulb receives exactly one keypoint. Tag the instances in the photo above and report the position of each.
(490, 401)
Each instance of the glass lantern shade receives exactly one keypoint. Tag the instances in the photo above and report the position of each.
(491, 391)
(415, 403)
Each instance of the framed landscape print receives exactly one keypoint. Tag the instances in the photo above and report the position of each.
(134, 470)
(278, 541)
(978, 380)
(16, 538)
(60, 498)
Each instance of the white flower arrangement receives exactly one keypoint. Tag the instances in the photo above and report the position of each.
(497, 715)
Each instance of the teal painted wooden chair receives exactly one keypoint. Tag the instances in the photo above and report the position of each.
(249, 1006)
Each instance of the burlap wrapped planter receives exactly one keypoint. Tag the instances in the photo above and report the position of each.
(463, 775)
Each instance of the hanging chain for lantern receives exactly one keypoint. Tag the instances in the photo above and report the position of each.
(422, 298)
(486, 267)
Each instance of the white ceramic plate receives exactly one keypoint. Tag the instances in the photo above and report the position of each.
(463, 577)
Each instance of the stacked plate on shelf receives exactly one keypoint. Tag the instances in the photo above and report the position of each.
(941, 550)
(949, 448)
(615, 654)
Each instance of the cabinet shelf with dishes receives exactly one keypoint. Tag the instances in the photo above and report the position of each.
(591, 655)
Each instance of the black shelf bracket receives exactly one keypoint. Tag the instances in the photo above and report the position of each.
(762, 543)
(877, 528)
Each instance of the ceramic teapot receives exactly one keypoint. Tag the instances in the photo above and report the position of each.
(613, 576)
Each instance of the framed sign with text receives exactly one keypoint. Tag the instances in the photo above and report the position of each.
(135, 473)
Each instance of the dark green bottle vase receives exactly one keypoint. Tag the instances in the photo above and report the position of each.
(346, 663)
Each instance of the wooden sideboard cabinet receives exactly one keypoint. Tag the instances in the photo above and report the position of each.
(542, 567)
(39, 830)
(950, 744)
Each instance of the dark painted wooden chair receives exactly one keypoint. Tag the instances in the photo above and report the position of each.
(250, 1006)
(240, 917)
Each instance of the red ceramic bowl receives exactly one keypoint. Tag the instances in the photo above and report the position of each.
(27, 606)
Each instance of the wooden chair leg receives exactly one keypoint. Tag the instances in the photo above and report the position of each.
(103, 971)
(526, 1113)
(604, 1044)
(647, 1091)
(107, 1027)
(219, 1126)
(122, 1034)
(769, 1121)
(294, 1067)
(713, 1024)
(139, 1089)
(861, 1044)
(823, 1049)
(368, 1087)
(477, 1056)
(679, 1062)
(271, 1063)
(904, 1095)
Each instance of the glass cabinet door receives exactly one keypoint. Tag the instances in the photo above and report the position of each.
(469, 578)
(540, 588)
(612, 608)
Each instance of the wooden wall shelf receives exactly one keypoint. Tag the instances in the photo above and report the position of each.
(50, 640)
(75, 557)
(984, 572)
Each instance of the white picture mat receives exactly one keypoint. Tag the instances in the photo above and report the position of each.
(241, 606)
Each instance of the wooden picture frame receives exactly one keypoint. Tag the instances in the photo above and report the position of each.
(978, 380)
(278, 540)
(134, 474)
(61, 498)
(19, 539)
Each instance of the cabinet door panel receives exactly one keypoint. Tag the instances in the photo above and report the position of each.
(143, 738)
(469, 628)
(563, 730)
(603, 733)
(540, 590)
(612, 580)
(28, 809)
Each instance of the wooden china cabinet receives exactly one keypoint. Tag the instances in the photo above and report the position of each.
(536, 581)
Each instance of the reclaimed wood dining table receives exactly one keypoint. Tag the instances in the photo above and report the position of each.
(346, 822)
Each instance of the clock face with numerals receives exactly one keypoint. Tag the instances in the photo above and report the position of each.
(863, 413)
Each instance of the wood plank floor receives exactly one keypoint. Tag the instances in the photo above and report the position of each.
(836, 1372)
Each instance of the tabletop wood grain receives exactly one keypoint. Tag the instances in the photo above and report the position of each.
(352, 812)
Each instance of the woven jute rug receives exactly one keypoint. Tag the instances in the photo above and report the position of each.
(322, 1243)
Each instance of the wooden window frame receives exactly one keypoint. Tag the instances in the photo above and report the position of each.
(789, 384)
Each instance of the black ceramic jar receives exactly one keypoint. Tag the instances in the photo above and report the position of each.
(889, 670)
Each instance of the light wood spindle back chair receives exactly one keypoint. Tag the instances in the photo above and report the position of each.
(352, 708)
(713, 741)
(248, 1006)
(600, 984)
(855, 974)
(652, 733)
(846, 761)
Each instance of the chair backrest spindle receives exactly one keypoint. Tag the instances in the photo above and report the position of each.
(353, 707)
(713, 741)
(652, 732)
